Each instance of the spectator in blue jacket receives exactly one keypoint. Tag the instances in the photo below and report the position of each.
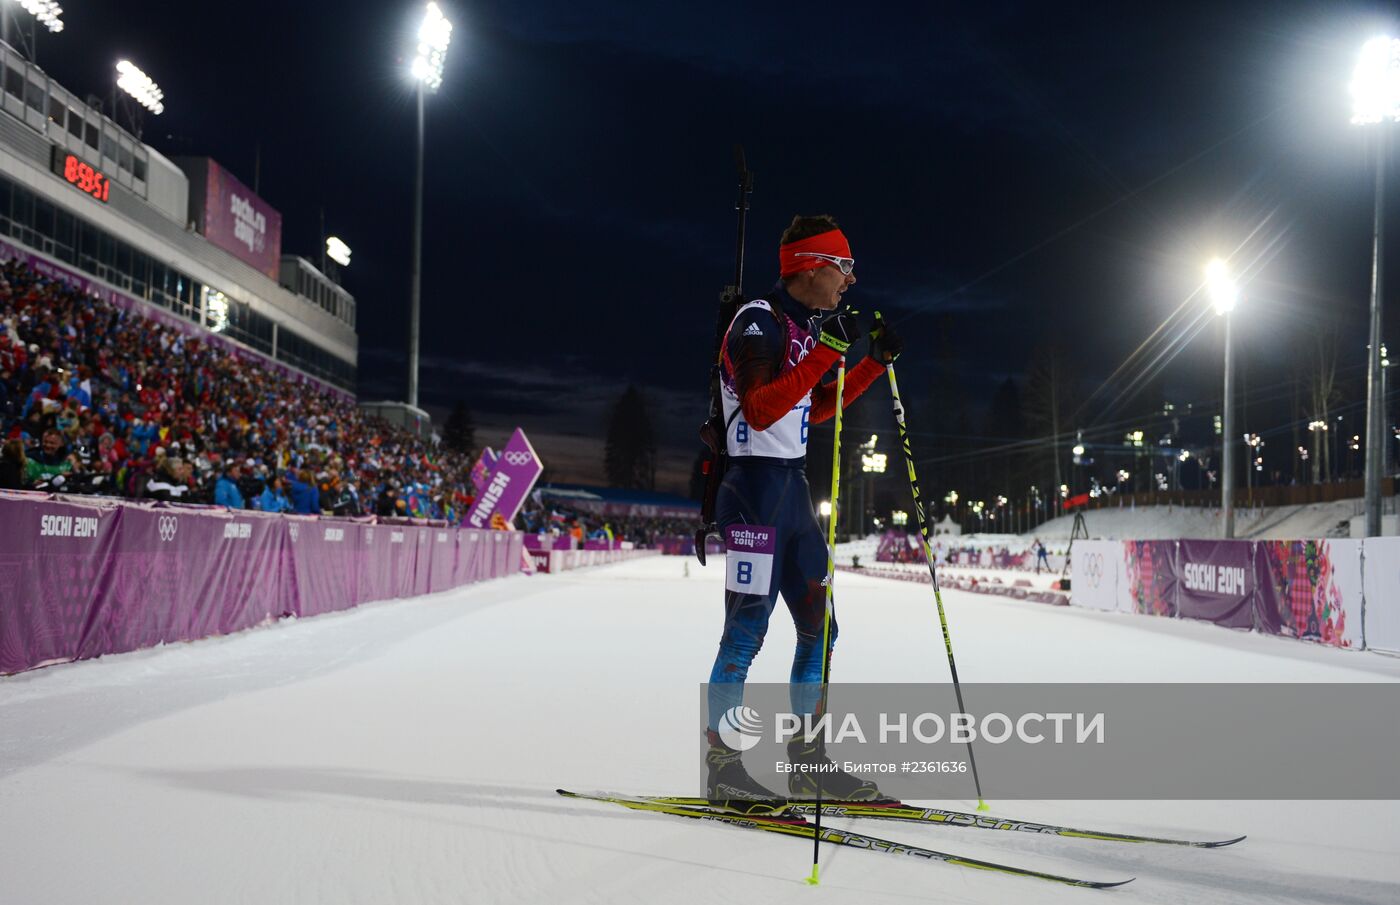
(306, 499)
(274, 496)
(226, 492)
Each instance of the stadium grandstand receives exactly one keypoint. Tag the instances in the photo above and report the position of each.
(156, 343)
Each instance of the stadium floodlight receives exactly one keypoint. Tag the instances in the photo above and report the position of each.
(1375, 93)
(1225, 293)
(140, 86)
(1375, 83)
(337, 251)
(433, 37)
(434, 34)
(824, 507)
(48, 12)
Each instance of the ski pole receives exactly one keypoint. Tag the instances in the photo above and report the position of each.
(830, 581)
(925, 532)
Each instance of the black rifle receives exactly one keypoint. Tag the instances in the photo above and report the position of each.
(714, 430)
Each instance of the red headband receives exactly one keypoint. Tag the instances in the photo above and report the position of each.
(831, 242)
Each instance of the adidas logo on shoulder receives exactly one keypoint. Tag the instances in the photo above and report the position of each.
(753, 330)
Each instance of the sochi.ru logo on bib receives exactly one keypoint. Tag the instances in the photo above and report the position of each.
(741, 727)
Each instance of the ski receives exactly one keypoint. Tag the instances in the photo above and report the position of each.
(799, 827)
(900, 811)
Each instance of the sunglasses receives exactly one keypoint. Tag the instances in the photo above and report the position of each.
(845, 265)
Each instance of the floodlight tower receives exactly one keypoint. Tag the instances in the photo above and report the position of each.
(434, 34)
(1375, 92)
(44, 12)
(1224, 293)
(142, 89)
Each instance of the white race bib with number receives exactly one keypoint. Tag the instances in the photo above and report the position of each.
(748, 558)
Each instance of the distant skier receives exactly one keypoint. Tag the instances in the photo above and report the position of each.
(1042, 556)
(775, 354)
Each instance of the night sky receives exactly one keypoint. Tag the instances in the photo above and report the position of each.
(1009, 175)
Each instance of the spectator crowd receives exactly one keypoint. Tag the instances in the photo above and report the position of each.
(98, 399)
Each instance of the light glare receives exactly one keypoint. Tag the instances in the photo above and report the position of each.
(873, 463)
(434, 34)
(338, 251)
(1375, 84)
(140, 86)
(48, 13)
(216, 312)
(1222, 288)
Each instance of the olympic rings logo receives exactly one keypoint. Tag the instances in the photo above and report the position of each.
(516, 457)
(1093, 569)
(167, 525)
(800, 348)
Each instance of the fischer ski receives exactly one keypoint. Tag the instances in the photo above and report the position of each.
(800, 828)
(910, 813)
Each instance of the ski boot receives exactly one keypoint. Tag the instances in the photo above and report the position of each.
(836, 784)
(729, 786)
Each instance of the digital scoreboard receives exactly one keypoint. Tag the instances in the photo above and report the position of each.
(82, 176)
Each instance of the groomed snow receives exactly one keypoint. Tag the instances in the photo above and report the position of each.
(408, 752)
(1157, 522)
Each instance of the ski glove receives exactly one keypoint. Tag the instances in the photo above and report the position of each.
(885, 344)
(840, 331)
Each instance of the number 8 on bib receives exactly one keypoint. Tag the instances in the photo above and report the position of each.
(749, 558)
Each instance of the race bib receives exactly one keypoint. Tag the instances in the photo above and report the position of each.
(748, 558)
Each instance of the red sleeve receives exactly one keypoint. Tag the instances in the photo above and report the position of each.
(857, 381)
(765, 401)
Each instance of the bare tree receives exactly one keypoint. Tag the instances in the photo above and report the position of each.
(1322, 394)
(1049, 400)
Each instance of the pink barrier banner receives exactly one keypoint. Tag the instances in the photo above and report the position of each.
(684, 545)
(546, 542)
(82, 579)
(178, 574)
(1150, 576)
(1311, 590)
(325, 569)
(1215, 581)
(51, 563)
(551, 561)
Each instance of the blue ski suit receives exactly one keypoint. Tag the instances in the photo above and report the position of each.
(772, 387)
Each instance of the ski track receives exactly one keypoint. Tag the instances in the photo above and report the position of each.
(407, 752)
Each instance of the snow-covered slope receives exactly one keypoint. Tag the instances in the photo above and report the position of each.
(408, 753)
(1155, 522)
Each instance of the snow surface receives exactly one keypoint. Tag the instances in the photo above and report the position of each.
(407, 752)
(1157, 522)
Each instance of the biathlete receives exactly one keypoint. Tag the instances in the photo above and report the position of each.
(775, 355)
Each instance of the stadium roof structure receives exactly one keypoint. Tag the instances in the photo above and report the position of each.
(620, 501)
